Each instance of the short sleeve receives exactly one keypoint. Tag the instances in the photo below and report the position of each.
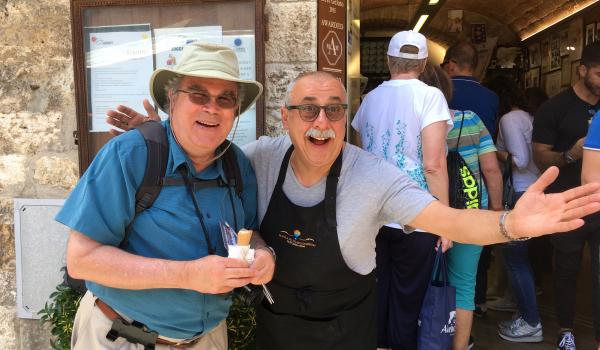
(102, 203)
(592, 140)
(250, 191)
(486, 143)
(435, 109)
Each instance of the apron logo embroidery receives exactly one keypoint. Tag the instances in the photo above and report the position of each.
(294, 239)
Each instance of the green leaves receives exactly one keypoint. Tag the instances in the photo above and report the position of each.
(60, 311)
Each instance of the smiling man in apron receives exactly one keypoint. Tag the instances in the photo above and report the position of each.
(321, 202)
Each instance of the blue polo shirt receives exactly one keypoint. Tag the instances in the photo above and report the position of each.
(470, 95)
(592, 140)
(102, 205)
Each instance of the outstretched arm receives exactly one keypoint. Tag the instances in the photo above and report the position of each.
(535, 214)
(126, 118)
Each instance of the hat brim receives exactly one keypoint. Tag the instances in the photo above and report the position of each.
(160, 77)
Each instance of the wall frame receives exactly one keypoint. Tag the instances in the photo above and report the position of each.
(152, 24)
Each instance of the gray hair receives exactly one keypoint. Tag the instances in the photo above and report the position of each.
(398, 65)
(173, 84)
(315, 74)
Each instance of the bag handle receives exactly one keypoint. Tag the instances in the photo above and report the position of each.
(440, 268)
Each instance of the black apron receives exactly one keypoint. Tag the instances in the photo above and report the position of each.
(319, 302)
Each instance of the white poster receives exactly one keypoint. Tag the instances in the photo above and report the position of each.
(169, 43)
(243, 45)
(119, 66)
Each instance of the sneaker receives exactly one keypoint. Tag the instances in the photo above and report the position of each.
(502, 304)
(521, 332)
(480, 310)
(471, 343)
(507, 323)
(566, 341)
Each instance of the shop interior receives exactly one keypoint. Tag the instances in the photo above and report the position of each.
(537, 43)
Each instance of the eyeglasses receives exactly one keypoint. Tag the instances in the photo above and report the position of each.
(201, 98)
(309, 112)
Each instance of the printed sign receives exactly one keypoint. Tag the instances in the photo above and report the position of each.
(331, 37)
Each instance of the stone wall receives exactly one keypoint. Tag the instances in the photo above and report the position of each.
(38, 158)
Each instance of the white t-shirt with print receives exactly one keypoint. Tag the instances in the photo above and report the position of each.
(391, 118)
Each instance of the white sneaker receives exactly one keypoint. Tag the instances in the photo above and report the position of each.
(521, 332)
(566, 341)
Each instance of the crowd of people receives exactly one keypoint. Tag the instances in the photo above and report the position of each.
(346, 237)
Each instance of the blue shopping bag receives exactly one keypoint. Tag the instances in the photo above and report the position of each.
(437, 319)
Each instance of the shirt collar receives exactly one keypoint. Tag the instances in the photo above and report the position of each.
(178, 157)
(465, 77)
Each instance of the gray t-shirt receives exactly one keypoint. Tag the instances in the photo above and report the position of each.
(370, 193)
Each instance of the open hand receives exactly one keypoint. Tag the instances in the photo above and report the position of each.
(536, 213)
(126, 118)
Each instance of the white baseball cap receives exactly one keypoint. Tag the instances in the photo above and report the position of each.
(408, 37)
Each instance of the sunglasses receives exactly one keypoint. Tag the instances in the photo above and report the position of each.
(309, 112)
(224, 101)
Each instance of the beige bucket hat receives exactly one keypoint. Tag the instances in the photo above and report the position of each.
(204, 61)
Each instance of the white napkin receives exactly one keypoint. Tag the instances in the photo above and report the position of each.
(241, 252)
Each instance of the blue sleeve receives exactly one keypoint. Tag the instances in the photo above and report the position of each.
(102, 203)
(592, 141)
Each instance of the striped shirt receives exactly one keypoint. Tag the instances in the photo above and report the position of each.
(474, 141)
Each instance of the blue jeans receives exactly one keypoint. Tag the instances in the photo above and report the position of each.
(521, 277)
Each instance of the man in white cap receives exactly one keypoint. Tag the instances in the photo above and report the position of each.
(405, 122)
(159, 279)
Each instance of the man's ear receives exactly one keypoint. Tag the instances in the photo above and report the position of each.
(284, 117)
(582, 69)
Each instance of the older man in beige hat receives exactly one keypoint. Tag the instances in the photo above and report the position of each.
(159, 278)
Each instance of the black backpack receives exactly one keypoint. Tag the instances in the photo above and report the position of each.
(155, 136)
(464, 189)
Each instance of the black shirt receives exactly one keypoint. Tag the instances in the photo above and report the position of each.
(561, 122)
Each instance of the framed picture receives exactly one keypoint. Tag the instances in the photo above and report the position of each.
(590, 32)
(132, 38)
(455, 18)
(574, 72)
(545, 53)
(478, 33)
(565, 71)
(555, 62)
(563, 38)
(535, 77)
(553, 83)
(575, 39)
(535, 57)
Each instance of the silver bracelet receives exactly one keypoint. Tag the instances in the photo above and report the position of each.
(504, 231)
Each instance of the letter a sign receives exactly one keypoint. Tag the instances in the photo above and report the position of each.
(331, 37)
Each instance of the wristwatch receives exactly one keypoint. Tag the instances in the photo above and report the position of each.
(568, 157)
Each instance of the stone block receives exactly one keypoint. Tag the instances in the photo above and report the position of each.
(7, 235)
(277, 78)
(29, 133)
(56, 171)
(13, 170)
(8, 301)
(292, 32)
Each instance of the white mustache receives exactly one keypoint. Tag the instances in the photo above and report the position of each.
(320, 134)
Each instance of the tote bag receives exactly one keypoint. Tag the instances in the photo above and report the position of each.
(437, 320)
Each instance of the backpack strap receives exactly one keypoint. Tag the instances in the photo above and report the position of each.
(232, 168)
(157, 145)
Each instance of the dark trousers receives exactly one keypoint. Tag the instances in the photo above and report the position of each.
(404, 265)
(568, 249)
(481, 279)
